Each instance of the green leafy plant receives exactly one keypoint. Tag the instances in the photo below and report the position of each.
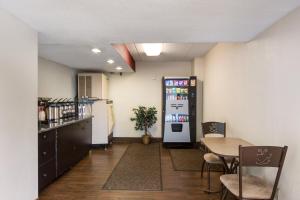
(144, 118)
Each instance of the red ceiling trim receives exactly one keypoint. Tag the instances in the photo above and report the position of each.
(125, 54)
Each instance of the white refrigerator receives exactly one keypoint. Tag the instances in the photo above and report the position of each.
(103, 122)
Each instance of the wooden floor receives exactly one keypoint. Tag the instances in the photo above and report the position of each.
(86, 179)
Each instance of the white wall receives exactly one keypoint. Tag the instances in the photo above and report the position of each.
(18, 105)
(254, 87)
(141, 88)
(55, 80)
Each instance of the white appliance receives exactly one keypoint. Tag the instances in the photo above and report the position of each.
(179, 110)
(95, 86)
(103, 122)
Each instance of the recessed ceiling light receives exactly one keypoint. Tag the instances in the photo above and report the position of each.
(119, 68)
(96, 50)
(152, 49)
(110, 61)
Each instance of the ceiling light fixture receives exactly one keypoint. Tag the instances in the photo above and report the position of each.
(152, 49)
(110, 61)
(119, 68)
(96, 50)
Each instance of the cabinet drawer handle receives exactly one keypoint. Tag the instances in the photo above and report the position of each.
(44, 136)
(45, 175)
(44, 153)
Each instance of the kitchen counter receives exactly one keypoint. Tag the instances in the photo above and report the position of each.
(60, 123)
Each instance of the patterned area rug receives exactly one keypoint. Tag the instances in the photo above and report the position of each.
(138, 169)
(189, 160)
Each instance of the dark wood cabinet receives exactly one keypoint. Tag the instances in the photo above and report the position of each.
(83, 139)
(47, 173)
(46, 157)
(73, 143)
(62, 148)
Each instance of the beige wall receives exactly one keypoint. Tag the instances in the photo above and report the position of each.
(198, 68)
(55, 80)
(18, 105)
(254, 87)
(141, 88)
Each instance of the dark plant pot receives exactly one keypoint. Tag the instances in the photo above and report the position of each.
(146, 139)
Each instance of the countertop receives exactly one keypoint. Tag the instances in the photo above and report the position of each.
(60, 123)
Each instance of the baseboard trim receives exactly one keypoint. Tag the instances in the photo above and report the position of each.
(133, 139)
(99, 146)
(179, 145)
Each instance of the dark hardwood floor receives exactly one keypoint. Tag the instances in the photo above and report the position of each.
(85, 180)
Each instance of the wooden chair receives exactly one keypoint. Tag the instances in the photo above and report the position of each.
(254, 187)
(212, 129)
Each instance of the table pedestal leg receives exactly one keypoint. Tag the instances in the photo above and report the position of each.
(233, 165)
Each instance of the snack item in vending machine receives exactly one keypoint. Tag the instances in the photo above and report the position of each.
(171, 83)
(182, 118)
(174, 90)
(185, 83)
(180, 83)
(173, 118)
(175, 83)
(178, 90)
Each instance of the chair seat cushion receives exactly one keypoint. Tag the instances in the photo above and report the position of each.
(214, 159)
(253, 187)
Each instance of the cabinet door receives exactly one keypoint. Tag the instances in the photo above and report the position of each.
(88, 86)
(65, 147)
(47, 173)
(46, 146)
(81, 86)
(83, 139)
(86, 136)
(77, 142)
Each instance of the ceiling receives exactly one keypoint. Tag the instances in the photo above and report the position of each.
(80, 56)
(68, 29)
(171, 51)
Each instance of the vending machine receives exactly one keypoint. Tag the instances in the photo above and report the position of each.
(179, 110)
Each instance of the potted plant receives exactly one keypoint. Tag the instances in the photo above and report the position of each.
(144, 119)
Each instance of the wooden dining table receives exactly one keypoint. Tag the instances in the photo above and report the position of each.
(227, 149)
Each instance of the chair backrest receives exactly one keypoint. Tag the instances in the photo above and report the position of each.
(214, 128)
(261, 156)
